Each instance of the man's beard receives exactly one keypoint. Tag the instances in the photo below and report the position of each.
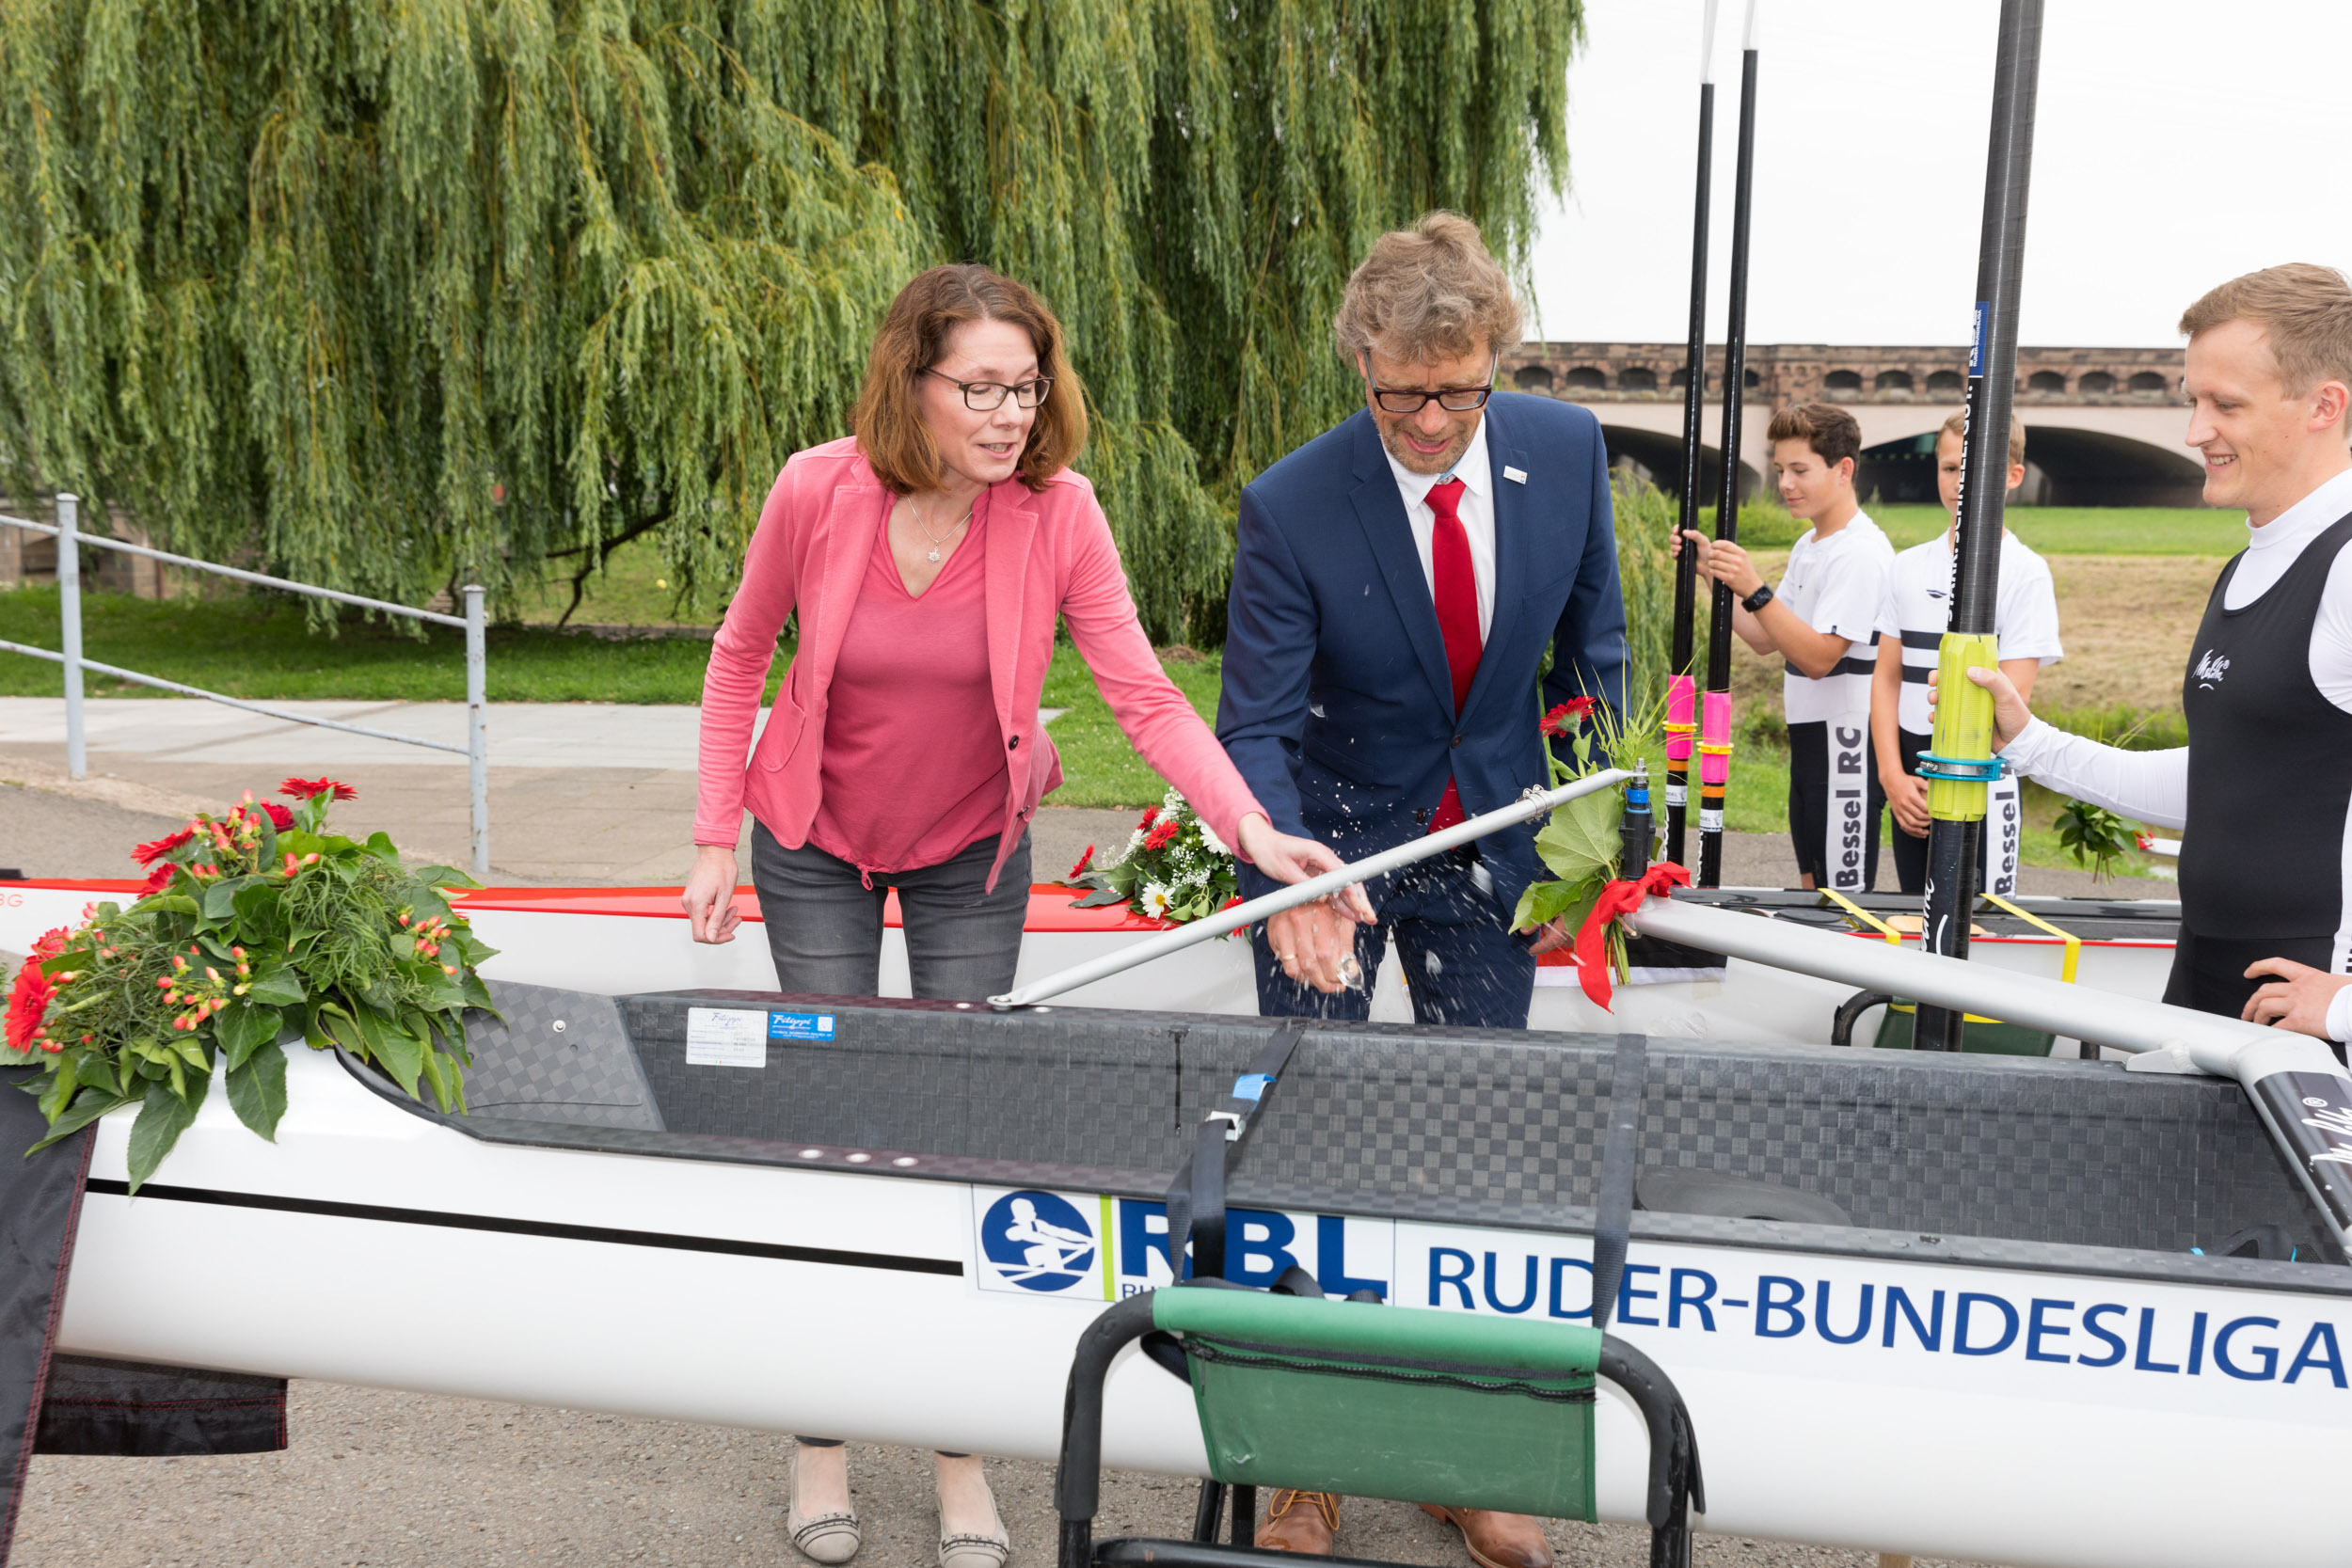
(1393, 437)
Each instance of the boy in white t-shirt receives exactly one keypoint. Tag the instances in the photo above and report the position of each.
(1911, 626)
(1822, 619)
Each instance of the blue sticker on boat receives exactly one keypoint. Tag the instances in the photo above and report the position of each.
(800, 1026)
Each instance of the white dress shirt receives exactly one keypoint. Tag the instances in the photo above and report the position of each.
(1476, 508)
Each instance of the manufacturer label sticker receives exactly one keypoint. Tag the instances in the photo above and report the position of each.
(725, 1037)
(800, 1026)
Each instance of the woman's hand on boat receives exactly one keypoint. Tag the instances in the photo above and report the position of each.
(710, 898)
(1287, 859)
(2010, 713)
(2298, 999)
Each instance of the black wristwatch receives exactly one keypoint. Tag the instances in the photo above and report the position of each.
(1758, 600)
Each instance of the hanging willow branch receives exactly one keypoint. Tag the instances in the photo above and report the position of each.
(388, 292)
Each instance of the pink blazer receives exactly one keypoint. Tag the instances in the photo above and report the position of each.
(1049, 553)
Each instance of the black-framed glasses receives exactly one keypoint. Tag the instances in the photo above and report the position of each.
(1453, 400)
(983, 397)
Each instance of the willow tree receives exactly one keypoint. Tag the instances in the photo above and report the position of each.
(387, 293)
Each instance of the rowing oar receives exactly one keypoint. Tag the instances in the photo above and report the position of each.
(1960, 763)
(1715, 718)
(2303, 1096)
(1682, 687)
(1533, 803)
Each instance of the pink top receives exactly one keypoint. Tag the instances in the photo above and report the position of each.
(910, 684)
(1049, 556)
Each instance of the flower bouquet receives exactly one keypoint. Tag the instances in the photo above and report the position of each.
(1582, 844)
(252, 924)
(1173, 867)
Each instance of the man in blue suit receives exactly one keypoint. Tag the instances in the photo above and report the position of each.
(1396, 583)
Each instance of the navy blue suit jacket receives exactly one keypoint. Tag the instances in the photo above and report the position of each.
(1338, 704)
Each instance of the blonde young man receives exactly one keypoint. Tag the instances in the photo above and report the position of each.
(1822, 619)
(2264, 788)
(1911, 623)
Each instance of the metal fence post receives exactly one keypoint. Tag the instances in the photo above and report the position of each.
(477, 731)
(70, 628)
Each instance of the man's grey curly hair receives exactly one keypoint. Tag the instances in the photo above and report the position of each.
(1426, 292)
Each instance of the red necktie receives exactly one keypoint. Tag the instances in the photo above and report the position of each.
(1456, 592)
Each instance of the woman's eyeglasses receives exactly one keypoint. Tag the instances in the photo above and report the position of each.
(983, 397)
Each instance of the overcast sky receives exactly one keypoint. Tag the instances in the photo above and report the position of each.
(2181, 142)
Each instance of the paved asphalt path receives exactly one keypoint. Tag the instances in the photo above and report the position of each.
(393, 1479)
(377, 1479)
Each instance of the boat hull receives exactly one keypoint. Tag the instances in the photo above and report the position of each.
(2017, 1407)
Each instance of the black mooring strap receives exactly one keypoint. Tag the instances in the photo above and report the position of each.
(1196, 1200)
(1614, 1219)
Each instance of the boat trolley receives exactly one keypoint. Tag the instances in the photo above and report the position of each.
(1371, 1400)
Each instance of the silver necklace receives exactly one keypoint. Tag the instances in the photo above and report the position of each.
(939, 539)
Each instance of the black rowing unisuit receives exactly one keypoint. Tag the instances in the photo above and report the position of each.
(2269, 762)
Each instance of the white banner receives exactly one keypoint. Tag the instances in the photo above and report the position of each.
(1846, 825)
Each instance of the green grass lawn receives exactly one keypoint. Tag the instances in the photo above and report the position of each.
(2091, 530)
(259, 648)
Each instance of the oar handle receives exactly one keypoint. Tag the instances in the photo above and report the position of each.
(1533, 803)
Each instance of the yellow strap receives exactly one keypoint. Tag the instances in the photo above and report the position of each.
(2073, 944)
(1714, 749)
(1862, 914)
(1672, 728)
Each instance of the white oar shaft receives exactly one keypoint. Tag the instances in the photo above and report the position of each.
(1240, 916)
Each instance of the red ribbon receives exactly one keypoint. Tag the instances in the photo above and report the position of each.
(1592, 942)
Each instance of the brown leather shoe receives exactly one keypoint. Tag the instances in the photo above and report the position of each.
(1497, 1540)
(1302, 1521)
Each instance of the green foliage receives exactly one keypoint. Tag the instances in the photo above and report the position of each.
(255, 925)
(2095, 837)
(385, 297)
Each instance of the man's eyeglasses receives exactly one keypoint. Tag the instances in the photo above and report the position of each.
(983, 397)
(1453, 400)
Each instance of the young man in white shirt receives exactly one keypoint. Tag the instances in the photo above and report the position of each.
(1822, 619)
(2264, 788)
(1912, 622)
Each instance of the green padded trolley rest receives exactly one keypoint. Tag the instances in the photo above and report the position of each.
(1395, 1401)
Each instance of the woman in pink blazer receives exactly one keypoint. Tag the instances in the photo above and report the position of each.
(928, 557)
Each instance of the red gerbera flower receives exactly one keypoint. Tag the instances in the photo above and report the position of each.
(280, 817)
(1162, 833)
(27, 1002)
(158, 879)
(303, 789)
(1560, 720)
(52, 943)
(1150, 814)
(1084, 860)
(148, 854)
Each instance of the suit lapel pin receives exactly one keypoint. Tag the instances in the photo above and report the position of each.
(1517, 476)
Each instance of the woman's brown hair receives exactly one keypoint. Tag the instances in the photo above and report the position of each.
(889, 425)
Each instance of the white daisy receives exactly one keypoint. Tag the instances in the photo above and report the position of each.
(1155, 900)
(1208, 836)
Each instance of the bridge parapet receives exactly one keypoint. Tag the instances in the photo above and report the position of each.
(1804, 373)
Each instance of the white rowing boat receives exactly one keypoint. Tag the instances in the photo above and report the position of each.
(891, 1221)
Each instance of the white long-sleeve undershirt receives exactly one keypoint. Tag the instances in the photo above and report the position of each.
(2153, 787)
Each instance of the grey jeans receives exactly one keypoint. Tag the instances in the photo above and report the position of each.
(825, 925)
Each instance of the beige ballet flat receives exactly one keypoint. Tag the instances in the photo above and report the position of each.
(966, 1549)
(829, 1537)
